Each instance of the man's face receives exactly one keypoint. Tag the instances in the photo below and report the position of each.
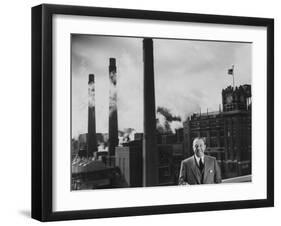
(199, 148)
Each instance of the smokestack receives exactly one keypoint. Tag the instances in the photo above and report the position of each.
(91, 138)
(113, 122)
(150, 153)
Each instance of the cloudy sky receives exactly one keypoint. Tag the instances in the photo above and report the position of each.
(189, 75)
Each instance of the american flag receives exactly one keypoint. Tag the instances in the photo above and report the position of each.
(230, 71)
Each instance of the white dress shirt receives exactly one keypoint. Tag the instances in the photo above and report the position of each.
(198, 160)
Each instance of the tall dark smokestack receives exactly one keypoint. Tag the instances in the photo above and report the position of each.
(113, 122)
(91, 138)
(150, 154)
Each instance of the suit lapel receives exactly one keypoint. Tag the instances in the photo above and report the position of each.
(196, 170)
(206, 168)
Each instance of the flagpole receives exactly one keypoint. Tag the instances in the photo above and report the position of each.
(233, 76)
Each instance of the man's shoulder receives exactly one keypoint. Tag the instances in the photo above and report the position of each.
(210, 157)
(188, 160)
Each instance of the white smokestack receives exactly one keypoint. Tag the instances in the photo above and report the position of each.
(91, 91)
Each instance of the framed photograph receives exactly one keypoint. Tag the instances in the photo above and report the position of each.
(146, 112)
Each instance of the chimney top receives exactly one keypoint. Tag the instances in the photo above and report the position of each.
(91, 78)
(112, 62)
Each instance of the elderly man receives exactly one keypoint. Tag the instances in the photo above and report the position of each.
(199, 168)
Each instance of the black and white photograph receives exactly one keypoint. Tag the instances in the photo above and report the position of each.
(146, 112)
(159, 112)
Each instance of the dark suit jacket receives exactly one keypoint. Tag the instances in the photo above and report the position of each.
(191, 174)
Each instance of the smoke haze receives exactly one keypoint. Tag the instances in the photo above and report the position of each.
(189, 77)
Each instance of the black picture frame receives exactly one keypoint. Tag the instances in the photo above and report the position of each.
(42, 107)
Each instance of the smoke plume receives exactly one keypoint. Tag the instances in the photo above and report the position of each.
(166, 122)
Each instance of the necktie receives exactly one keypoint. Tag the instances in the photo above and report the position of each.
(201, 165)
